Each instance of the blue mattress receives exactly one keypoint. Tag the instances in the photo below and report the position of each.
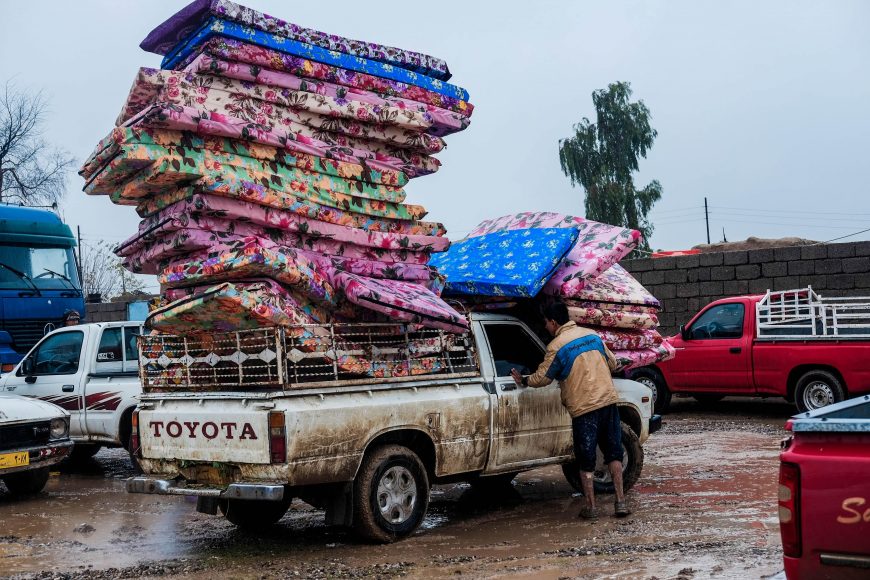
(217, 27)
(513, 263)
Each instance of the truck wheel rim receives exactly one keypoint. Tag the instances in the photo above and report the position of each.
(602, 471)
(651, 385)
(397, 494)
(818, 395)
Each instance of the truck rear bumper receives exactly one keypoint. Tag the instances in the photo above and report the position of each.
(250, 491)
(655, 423)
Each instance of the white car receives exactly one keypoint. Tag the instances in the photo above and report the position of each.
(90, 370)
(33, 436)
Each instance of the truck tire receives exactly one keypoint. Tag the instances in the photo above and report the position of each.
(81, 452)
(632, 466)
(26, 482)
(653, 379)
(391, 494)
(816, 389)
(254, 514)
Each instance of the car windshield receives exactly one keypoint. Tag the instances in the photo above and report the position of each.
(49, 268)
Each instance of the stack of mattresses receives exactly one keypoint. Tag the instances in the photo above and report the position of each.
(547, 256)
(268, 164)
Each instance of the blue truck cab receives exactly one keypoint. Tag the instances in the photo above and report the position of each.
(39, 279)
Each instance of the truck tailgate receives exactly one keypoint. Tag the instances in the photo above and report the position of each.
(194, 434)
(835, 497)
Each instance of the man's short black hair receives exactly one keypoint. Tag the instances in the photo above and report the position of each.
(556, 311)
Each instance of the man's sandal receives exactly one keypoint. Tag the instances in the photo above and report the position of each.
(587, 513)
(620, 510)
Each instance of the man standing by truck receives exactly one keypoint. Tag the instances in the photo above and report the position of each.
(579, 360)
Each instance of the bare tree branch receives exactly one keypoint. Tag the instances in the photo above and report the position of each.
(103, 273)
(31, 170)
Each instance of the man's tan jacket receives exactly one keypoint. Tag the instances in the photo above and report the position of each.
(579, 360)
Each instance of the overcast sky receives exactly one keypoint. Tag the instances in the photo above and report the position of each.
(760, 106)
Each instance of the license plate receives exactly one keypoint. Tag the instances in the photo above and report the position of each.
(8, 460)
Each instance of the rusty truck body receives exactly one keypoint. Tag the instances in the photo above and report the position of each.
(365, 450)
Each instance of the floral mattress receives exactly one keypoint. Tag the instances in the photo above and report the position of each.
(181, 25)
(185, 50)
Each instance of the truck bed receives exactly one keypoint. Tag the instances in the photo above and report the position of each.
(304, 357)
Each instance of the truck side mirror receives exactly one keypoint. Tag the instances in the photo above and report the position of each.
(27, 368)
(684, 332)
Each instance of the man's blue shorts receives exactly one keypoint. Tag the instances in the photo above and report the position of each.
(598, 428)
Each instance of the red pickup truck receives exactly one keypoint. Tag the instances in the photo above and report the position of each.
(792, 344)
(824, 493)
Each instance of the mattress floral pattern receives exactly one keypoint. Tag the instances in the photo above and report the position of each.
(110, 147)
(612, 318)
(505, 263)
(251, 54)
(182, 118)
(616, 286)
(190, 18)
(299, 111)
(597, 248)
(436, 120)
(199, 209)
(186, 50)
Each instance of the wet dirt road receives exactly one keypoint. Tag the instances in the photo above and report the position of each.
(705, 507)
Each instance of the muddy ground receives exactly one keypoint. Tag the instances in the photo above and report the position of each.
(705, 507)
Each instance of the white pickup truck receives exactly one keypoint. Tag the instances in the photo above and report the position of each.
(247, 421)
(90, 370)
(33, 436)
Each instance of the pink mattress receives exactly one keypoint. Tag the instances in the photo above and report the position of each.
(150, 253)
(401, 301)
(201, 209)
(435, 120)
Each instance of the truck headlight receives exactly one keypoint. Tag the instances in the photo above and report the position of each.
(59, 428)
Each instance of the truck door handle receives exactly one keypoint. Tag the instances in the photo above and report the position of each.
(509, 387)
(68, 388)
(735, 350)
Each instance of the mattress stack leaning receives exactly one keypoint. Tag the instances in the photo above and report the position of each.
(521, 262)
(268, 164)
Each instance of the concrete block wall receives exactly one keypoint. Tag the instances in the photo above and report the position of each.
(685, 284)
(106, 312)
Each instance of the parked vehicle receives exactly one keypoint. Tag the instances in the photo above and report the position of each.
(790, 344)
(39, 278)
(824, 493)
(34, 435)
(246, 421)
(90, 370)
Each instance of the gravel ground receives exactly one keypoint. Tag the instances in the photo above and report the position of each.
(705, 507)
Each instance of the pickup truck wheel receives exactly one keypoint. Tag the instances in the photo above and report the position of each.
(817, 389)
(653, 379)
(83, 451)
(632, 465)
(26, 482)
(391, 494)
(254, 514)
